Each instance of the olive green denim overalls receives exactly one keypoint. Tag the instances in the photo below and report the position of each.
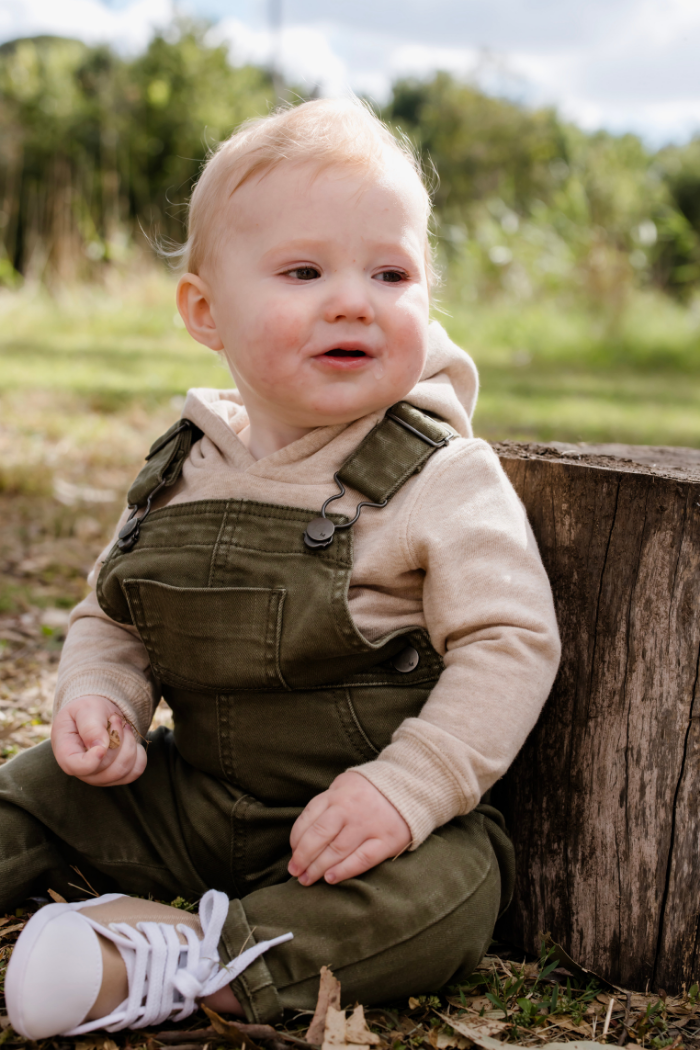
(242, 607)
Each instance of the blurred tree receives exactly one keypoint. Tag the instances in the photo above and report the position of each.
(94, 145)
(481, 146)
(95, 148)
(527, 201)
(678, 257)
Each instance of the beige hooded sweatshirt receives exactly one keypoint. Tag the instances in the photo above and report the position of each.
(452, 552)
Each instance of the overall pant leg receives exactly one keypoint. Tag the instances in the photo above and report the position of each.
(166, 835)
(407, 927)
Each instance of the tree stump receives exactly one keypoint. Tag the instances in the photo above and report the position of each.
(603, 801)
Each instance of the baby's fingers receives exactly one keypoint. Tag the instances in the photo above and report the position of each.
(93, 729)
(367, 855)
(125, 760)
(81, 764)
(75, 755)
(316, 835)
(311, 812)
(334, 851)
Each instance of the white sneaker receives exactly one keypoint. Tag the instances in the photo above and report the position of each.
(117, 962)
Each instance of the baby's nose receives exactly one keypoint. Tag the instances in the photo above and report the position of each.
(349, 299)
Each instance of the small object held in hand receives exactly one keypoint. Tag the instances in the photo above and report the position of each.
(115, 740)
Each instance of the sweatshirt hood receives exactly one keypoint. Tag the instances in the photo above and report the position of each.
(450, 383)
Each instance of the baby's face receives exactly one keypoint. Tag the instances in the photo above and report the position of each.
(319, 292)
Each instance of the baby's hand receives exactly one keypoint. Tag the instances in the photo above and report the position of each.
(91, 741)
(345, 831)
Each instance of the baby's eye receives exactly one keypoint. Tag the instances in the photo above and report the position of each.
(392, 276)
(304, 273)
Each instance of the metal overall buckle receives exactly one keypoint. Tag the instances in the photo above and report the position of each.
(129, 532)
(320, 531)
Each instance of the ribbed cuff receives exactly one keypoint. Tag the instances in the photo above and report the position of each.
(123, 689)
(416, 781)
(254, 988)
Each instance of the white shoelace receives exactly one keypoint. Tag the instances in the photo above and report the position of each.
(166, 977)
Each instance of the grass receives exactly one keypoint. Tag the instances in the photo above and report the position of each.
(556, 370)
(550, 369)
(106, 346)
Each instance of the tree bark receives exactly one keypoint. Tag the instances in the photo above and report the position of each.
(603, 800)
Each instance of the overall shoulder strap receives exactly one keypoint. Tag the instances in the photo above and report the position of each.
(394, 449)
(164, 462)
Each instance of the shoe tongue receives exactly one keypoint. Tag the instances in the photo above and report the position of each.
(115, 983)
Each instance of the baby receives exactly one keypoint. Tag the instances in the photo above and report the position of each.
(347, 678)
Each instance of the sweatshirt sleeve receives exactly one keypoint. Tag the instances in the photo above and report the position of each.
(489, 612)
(104, 658)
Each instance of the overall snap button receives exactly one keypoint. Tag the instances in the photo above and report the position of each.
(407, 660)
(319, 533)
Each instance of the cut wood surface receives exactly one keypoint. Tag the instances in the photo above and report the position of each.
(604, 800)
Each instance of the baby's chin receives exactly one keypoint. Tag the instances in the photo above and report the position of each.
(337, 415)
(342, 398)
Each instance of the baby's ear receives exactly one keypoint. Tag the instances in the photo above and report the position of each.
(193, 299)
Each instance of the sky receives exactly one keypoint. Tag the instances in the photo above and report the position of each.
(621, 64)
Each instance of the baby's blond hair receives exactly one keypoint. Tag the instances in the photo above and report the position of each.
(323, 132)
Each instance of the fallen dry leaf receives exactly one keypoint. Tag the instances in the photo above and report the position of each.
(349, 1033)
(334, 1031)
(479, 1025)
(7, 731)
(59, 900)
(8, 635)
(115, 740)
(328, 995)
(11, 929)
(489, 1043)
(356, 1031)
(229, 1030)
(574, 968)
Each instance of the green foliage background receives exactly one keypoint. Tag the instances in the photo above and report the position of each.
(96, 146)
(570, 261)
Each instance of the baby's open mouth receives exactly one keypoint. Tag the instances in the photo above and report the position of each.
(337, 352)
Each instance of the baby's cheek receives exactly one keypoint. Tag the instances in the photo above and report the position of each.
(410, 350)
(283, 329)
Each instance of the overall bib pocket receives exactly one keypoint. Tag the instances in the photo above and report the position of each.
(213, 638)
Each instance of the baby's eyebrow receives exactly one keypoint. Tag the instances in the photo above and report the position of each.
(305, 245)
(299, 246)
